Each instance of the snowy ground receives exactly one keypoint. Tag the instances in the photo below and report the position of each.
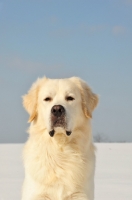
(113, 179)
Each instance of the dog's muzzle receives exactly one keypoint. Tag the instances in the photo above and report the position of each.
(58, 116)
(58, 119)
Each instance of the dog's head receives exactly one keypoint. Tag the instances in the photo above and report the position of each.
(61, 105)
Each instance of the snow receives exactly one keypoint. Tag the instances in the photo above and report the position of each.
(113, 178)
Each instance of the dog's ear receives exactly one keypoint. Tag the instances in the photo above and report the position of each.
(89, 99)
(30, 100)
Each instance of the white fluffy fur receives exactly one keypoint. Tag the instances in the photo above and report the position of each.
(59, 167)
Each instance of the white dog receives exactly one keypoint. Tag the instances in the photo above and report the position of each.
(59, 155)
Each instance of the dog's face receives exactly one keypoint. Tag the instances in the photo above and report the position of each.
(61, 105)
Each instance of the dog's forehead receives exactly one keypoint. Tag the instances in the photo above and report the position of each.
(59, 85)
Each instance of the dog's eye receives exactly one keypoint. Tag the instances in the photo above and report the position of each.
(47, 99)
(69, 98)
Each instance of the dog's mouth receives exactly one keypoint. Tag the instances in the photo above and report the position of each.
(59, 126)
(51, 133)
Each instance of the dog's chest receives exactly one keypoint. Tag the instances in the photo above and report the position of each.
(63, 163)
(57, 165)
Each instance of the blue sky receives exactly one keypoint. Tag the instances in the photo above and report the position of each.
(63, 38)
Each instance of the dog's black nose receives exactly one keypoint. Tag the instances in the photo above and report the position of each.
(58, 110)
